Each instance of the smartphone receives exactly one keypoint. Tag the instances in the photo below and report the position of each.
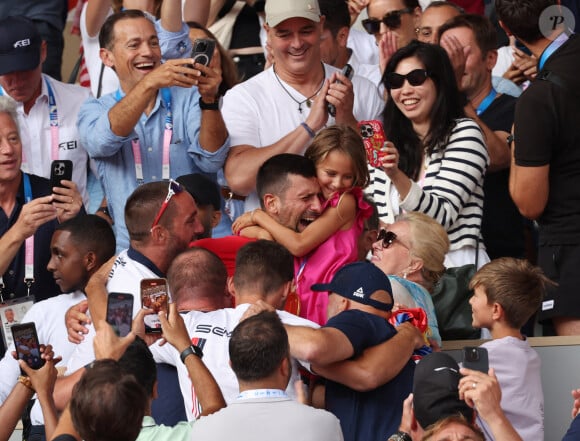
(27, 344)
(475, 358)
(59, 170)
(374, 138)
(202, 50)
(120, 312)
(155, 296)
(348, 72)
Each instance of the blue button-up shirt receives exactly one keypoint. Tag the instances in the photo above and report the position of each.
(114, 154)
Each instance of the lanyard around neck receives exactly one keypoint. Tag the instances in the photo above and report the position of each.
(167, 134)
(486, 102)
(552, 47)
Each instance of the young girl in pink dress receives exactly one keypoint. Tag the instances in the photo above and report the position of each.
(330, 241)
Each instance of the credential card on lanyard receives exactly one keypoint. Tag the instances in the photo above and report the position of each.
(11, 313)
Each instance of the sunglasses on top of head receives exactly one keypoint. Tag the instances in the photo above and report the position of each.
(392, 20)
(415, 78)
(173, 189)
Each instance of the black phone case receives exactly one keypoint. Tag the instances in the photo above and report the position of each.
(59, 170)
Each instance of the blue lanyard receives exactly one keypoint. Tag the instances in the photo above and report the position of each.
(27, 188)
(486, 102)
(553, 47)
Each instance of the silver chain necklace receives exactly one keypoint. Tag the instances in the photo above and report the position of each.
(308, 100)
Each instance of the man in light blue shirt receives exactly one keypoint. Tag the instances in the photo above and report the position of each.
(157, 125)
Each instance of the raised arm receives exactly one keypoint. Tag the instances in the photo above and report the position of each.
(171, 18)
(197, 10)
(206, 388)
(97, 11)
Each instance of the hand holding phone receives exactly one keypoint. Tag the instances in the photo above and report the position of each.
(348, 72)
(475, 358)
(155, 296)
(202, 51)
(374, 138)
(27, 344)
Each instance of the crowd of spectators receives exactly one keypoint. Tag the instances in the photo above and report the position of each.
(215, 150)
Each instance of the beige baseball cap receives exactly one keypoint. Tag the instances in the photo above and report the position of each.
(279, 10)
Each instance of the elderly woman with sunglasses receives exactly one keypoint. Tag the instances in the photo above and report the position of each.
(411, 252)
(436, 158)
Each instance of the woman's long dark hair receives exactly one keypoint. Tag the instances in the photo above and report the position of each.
(446, 109)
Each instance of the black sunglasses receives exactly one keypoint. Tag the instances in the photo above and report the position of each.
(415, 78)
(392, 20)
(388, 238)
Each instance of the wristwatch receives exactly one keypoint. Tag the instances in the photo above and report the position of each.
(400, 436)
(191, 350)
(209, 106)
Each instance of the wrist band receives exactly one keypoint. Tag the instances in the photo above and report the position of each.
(191, 350)
(308, 130)
(209, 106)
(26, 382)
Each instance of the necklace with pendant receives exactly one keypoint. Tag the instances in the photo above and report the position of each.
(308, 100)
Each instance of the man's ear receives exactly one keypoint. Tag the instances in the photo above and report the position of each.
(216, 217)
(491, 59)
(230, 286)
(90, 261)
(342, 36)
(271, 203)
(107, 57)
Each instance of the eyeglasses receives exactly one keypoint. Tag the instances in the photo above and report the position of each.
(392, 20)
(415, 78)
(174, 188)
(388, 238)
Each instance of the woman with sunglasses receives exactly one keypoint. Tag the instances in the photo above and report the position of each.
(436, 158)
(411, 252)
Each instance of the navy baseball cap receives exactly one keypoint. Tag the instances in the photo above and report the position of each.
(358, 281)
(20, 44)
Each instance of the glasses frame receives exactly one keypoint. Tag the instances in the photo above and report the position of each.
(388, 238)
(173, 189)
(392, 20)
(415, 78)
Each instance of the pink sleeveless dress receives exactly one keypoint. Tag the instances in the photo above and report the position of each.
(320, 264)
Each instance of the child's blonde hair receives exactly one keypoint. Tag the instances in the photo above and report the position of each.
(346, 140)
(516, 284)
